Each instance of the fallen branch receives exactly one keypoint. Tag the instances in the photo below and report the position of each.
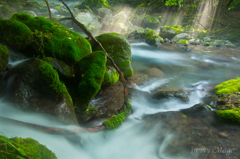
(52, 130)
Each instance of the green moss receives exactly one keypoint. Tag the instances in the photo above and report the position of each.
(90, 73)
(182, 42)
(57, 7)
(128, 73)
(54, 40)
(111, 76)
(202, 34)
(15, 34)
(51, 77)
(231, 115)
(149, 35)
(92, 109)
(21, 148)
(22, 17)
(115, 121)
(118, 48)
(230, 86)
(177, 28)
(4, 58)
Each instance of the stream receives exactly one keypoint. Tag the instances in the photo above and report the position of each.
(145, 134)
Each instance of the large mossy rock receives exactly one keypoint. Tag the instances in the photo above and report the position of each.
(152, 39)
(170, 31)
(118, 48)
(88, 19)
(50, 39)
(90, 74)
(4, 58)
(34, 86)
(27, 146)
(230, 86)
(15, 34)
(145, 21)
(181, 36)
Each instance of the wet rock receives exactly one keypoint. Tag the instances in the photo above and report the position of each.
(207, 39)
(34, 86)
(88, 19)
(162, 94)
(105, 15)
(109, 99)
(152, 39)
(153, 72)
(182, 36)
(198, 110)
(87, 115)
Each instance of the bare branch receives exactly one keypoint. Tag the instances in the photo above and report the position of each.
(49, 11)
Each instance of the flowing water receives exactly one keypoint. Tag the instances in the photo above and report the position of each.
(134, 139)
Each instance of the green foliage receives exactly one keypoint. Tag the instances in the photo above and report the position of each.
(188, 28)
(230, 86)
(234, 36)
(233, 4)
(173, 2)
(90, 73)
(4, 57)
(115, 121)
(231, 115)
(20, 148)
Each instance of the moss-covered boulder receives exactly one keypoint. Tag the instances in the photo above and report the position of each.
(118, 48)
(111, 76)
(15, 34)
(4, 58)
(170, 31)
(230, 86)
(90, 74)
(150, 22)
(182, 42)
(152, 39)
(181, 36)
(52, 39)
(202, 34)
(34, 86)
(21, 148)
(231, 116)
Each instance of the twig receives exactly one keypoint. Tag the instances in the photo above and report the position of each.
(49, 11)
(112, 61)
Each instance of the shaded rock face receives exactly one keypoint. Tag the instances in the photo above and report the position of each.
(88, 19)
(167, 33)
(109, 99)
(27, 88)
(158, 95)
(118, 48)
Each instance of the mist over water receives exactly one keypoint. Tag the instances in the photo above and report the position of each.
(132, 140)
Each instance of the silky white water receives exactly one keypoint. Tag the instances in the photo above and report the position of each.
(131, 140)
